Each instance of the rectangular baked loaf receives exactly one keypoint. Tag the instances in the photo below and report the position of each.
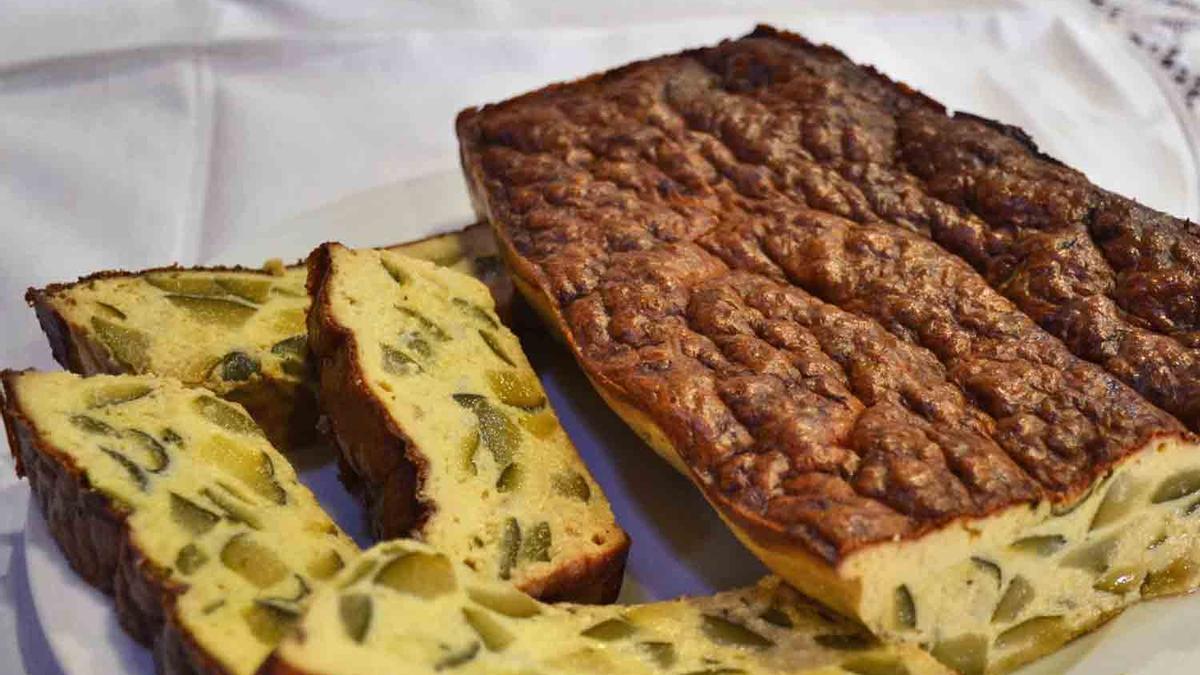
(761, 255)
(444, 431)
(239, 332)
(172, 500)
(404, 603)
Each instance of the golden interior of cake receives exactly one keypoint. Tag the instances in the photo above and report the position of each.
(238, 332)
(403, 602)
(217, 328)
(932, 377)
(212, 507)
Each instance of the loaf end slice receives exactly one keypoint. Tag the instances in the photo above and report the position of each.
(431, 399)
(172, 501)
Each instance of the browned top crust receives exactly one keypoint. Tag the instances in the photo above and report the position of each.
(768, 249)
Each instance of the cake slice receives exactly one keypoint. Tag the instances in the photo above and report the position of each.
(173, 501)
(444, 431)
(239, 332)
(406, 607)
(758, 254)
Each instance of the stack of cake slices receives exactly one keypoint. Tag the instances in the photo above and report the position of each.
(168, 494)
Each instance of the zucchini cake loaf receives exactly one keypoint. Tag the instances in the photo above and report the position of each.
(239, 332)
(933, 378)
(404, 603)
(444, 431)
(171, 499)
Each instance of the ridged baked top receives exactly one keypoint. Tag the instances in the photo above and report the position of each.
(842, 305)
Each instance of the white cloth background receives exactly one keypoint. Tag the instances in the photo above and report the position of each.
(136, 134)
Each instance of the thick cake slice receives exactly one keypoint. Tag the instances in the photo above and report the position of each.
(171, 499)
(747, 249)
(404, 603)
(444, 430)
(239, 332)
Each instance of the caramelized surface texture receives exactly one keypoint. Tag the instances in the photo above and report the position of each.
(445, 431)
(767, 249)
(239, 332)
(934, 379)
(172, 499)
(406, 603)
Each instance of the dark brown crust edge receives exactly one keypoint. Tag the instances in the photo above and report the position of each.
(1016, 133)
(275, 665)
(58, 332)
(378, 463)
(383, 468)
(97, 542)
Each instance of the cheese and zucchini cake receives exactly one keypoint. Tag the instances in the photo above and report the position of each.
(444, 431)
(933, 378)
(239, 332)
(405, 603)
(173, 501)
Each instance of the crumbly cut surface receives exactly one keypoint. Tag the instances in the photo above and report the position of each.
(404, 603)
(761, 254)
(220, 547)
(239, 332)
(494, 480)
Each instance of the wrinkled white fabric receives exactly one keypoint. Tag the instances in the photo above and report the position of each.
(136, 134)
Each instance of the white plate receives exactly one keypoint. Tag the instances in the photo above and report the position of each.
(1041, 73)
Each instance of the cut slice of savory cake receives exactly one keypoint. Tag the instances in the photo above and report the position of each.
(239, 332)
(444, 430)
(171, 499)
(767, 259)
(406, 607)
